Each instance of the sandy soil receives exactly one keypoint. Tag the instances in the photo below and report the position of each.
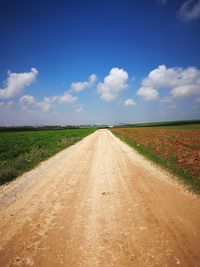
(98, 203)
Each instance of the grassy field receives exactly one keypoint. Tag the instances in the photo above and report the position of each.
(20, 151)
(183, 123)
(177, 148)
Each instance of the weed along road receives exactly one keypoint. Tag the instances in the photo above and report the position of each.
(98, 203)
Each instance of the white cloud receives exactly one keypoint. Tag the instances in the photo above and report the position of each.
(6, 105)
(16, 82)
(190, 10)
(166, 100)
(27, 100)
(66, 98)
(78, 110)
(46, 103)
(129, 102)
(113, 84)
(186, 90)
(79, 86)
(92, 79)
(169, 102)
(148, 93)
(181, 82)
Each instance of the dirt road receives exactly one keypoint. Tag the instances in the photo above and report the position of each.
(98, 203)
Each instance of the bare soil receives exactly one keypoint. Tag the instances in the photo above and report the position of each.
(98, 203)
(179, 146)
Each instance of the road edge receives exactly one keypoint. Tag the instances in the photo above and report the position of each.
(175, 174)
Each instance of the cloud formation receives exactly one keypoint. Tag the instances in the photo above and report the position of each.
(169, 102)
(80, 86)
(148, 93)
(16, 82)
(78, 110)
(113, 84)
(181, 82)
(45, 104)
(27, 99)
(65, 98)
(190, 10)
(129, 102)
(6, 105)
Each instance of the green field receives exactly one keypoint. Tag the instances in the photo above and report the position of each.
(183, 123)
(20, 151)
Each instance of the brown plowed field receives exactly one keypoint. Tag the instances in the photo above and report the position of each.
(181, 147)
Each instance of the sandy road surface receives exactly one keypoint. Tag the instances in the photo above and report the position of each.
(98, 203)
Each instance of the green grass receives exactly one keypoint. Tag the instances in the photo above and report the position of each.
(184, 176)
(21, 151)
(184, 123)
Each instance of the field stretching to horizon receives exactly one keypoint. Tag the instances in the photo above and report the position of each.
(174, 145)
(20, 151)
(176, 148)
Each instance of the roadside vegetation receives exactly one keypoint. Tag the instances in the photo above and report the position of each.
(20, 151)
(176, 148)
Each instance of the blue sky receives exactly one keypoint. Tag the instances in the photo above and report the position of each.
(79, 62)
